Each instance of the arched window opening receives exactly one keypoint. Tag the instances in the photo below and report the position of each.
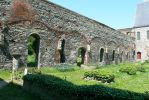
(62, 51)
(148, 34)
(121, 57)
(134, 53)
(128, 33)
(138, 55)
(138, 36)
(81, 56)
(33, 50)
(127, 55)
(101, 54)
(113, 55)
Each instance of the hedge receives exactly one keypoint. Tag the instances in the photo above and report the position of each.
(132, 70)
(44, 85)
(102, 76)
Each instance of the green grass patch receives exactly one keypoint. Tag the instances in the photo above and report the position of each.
(5, 74)
(137, 83)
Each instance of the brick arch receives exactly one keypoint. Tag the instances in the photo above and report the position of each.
(112, 45)
(96, 44)
(31, 24)
(36, 49)
(23, 29)
(77, 38)
(99, 40)
(31, 27)
(73, 42)
(121, 47)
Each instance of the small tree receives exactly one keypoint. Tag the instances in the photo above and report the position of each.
(21, 10)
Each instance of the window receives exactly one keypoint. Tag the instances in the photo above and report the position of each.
(81, 55)
(62, 51)
(133, 56)
(113, 55)
(101, 54)
(128, 33)
(138, 55)
(148, 35)
(138, 36)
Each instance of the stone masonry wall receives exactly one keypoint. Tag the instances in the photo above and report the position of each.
(53, 23)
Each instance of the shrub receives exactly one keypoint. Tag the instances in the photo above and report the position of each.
(44, 86)
(20, 9)
(101, 75)
(90, 74)
(131, 70)
(146, 95)
(128, 70)
(79, 61)
(141, 69)
(146, 62)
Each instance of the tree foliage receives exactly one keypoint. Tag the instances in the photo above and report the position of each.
(21, 10)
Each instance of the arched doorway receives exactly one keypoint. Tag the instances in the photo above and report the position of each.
(33, 50)
(101, 54)
(138, 55)
(113, 55)
(134, 53)
(121, 57)
(81, 55)
(127, 56)
(62, 51)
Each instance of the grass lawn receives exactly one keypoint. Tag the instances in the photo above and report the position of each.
(5, 74)
(137, 83)
(15, 92)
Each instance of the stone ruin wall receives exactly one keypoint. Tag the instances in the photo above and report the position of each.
(53, 23)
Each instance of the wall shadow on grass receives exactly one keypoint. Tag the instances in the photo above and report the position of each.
(32, 64)
(49, 87)
(2, 83)
(15, 92)
(1, 79)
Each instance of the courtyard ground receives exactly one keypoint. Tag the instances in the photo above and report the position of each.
(137, 83)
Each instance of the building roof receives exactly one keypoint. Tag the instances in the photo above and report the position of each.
(142, 15)
(125, 29)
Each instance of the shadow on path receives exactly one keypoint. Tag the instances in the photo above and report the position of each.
(3, 83)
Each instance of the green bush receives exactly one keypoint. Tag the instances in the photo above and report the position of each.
(141, 69)
(146, 62)
(128, 70)
(132, 70)
(102, 76)
(43, 85)
(146, 95)
(79, 61)
(90, 74)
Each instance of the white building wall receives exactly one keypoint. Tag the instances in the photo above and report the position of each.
(142, 45)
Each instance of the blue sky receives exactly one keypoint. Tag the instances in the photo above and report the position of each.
(114, 13)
